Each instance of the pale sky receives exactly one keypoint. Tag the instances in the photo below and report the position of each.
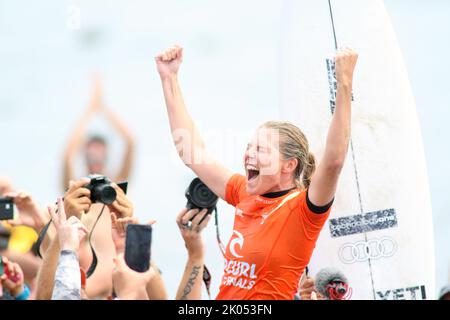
(230, 82)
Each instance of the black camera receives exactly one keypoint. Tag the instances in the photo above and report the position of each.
(6, 208)
(101, 189)
(199, 196)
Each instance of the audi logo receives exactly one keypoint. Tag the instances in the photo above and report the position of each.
(372, 249)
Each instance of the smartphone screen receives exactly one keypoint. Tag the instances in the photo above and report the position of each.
(6, 208)
(137, 246)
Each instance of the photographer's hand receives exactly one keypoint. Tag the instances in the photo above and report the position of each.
(191, 234)
(122, 206)
(77, 198)
(191, 283)
(30, 214)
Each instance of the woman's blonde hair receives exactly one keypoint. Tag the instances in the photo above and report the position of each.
(293, 144)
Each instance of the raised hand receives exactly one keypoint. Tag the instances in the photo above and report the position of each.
(13, 279)
(122, 206)
(77, 198)
(118, 226)
(71, 232)
(190, 231)
(30, 214)
(168, 61)
(345, 60)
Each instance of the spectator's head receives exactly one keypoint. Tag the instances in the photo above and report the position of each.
(96, 154)
(278, 158)
(445, 293)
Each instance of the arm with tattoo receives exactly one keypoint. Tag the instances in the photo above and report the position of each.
(191, 283)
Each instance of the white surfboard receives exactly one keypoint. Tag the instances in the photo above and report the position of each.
(380, 232)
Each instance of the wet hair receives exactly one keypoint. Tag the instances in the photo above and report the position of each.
(293, 144)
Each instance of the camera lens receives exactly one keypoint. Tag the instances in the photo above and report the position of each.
(104, 193)
(202, 196)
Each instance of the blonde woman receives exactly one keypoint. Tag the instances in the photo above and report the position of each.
(281, 203)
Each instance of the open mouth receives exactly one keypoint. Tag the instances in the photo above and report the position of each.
(252, 173)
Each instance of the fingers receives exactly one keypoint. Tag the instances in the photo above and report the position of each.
(123, 222)
(309, 283)
(196, 221)
(204, 223)
(171, 53)
(53, 215)
(180, 215)
(113, 219)
(151, 222)
(116, 206)
(11, 194)
(74, 221)
(12, 270)
(15, 271)
(84, 207)
(14, 223)
(122, 205)
(73, 185)
(82, 233)
(61, 211)
(78, 227)
(345, 52)
(84, 201)
(117, 224)
(80, 192)
(188, 216)
(120, 210)
(23, 195)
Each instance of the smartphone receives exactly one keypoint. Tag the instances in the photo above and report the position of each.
(6, 208)
(138, 246)
(123, 186)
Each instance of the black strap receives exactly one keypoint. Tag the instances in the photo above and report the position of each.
(207, 280)
(94, 262)
(40, 238)
(206, 274)
(216, 221)
(94, 255)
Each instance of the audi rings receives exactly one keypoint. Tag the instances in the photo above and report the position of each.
(364, 250)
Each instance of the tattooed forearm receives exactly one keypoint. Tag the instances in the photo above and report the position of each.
(191, 281)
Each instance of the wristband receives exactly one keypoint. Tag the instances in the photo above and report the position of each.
(25, 293)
